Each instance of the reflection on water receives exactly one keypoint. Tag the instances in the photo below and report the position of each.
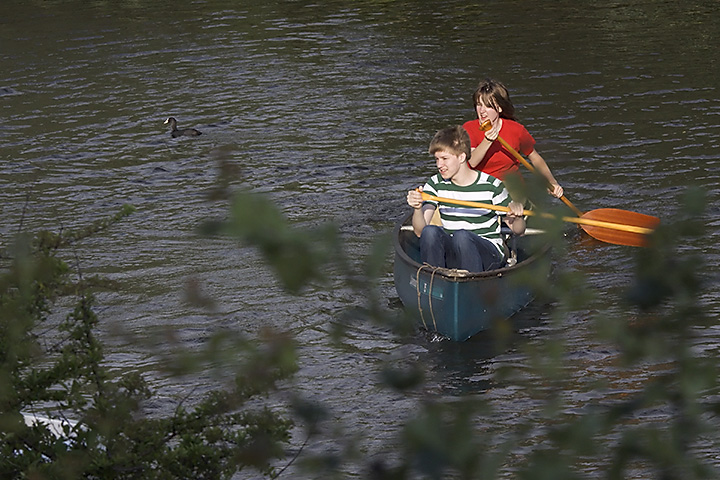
(329, 108)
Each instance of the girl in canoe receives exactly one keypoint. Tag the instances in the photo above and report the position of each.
(492, 102)
(470, 237)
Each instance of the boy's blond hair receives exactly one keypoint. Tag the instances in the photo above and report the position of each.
(451, 139)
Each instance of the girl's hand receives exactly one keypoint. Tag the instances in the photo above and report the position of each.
(414, 198)
(556, 191)
(493, 133)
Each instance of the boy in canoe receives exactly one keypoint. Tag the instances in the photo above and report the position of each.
(470, 237)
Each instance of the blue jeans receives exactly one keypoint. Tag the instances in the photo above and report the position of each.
(463, 250)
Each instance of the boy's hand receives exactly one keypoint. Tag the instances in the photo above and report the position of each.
(414, 198)
(516, 209)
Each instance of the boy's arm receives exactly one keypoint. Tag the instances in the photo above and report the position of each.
(422, 213)
(514, 218)
(422, 217)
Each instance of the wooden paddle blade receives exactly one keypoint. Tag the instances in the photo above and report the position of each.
(623, 217)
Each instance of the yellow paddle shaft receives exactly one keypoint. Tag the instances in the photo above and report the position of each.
(579, 220)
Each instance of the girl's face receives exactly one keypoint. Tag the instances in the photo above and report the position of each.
(488, 112)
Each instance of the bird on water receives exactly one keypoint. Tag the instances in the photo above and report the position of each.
(185, 132)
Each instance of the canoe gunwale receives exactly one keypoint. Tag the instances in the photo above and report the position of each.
(452, 274)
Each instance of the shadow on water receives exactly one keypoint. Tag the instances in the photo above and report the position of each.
(467, 367)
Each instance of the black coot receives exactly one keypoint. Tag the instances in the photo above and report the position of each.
(187, 132)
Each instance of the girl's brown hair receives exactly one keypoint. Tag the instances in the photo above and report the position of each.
(494, 94)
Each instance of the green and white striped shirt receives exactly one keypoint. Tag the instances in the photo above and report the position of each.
(481, 221)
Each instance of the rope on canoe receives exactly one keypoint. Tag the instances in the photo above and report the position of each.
(419, 297)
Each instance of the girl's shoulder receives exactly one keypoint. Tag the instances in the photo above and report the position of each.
(513, 124)
(514, 129)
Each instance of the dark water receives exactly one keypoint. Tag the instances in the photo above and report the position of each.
(328, 107)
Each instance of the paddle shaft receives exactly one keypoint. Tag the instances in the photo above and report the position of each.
(581, 221)
(487, 125)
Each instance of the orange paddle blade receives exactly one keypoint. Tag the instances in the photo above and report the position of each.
(636, 233)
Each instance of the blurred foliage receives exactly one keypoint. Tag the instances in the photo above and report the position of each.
(441, 441)
(653, 431)
(54, 371)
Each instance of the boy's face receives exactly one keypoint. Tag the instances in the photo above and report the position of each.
(448, 163)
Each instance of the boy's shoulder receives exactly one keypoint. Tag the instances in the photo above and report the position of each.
(489, 179)
(437, 180)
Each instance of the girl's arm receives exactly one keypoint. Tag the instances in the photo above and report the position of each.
(489, 137)
(542, 168)
(479, 152)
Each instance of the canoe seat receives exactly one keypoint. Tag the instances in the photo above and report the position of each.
(435, 220)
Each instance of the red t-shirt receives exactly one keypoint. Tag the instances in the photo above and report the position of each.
(498, 162)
